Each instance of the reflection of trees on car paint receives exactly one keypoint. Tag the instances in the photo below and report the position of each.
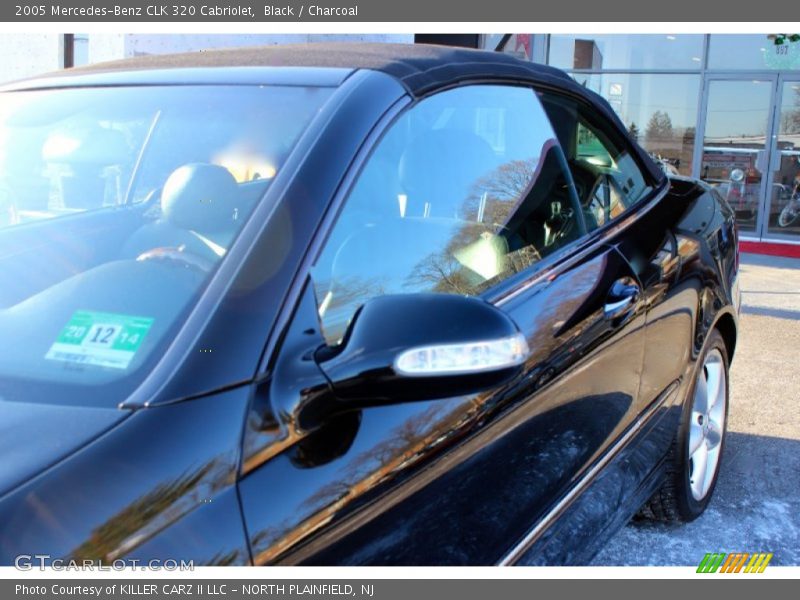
(413, 429)
(406, 439)
(166, 503)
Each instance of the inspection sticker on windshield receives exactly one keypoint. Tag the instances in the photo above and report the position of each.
(100, 339)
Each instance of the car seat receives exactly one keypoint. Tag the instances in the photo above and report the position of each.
(197, 214)
(439, 168)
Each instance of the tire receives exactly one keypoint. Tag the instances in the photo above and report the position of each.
(685, 493)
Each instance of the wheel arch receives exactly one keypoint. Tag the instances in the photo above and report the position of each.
(728, 329)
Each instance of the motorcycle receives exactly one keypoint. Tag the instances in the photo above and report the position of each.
(739, 194)
(790, 213)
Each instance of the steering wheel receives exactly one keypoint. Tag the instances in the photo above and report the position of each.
(559, 224)
(178, 256)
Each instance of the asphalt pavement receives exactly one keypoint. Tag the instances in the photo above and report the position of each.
(756, 505)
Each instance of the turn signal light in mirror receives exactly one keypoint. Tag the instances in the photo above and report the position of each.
(471, 357)
(407, 348)
(413, 347)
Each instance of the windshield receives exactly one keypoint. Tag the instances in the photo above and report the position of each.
(116, 206)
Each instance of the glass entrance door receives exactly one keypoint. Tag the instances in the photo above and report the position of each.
(784, 192)
(735, 150)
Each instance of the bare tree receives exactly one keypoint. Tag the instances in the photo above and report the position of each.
(790, 117)
(659, 127)
(490, 204)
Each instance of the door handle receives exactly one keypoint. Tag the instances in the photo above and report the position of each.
(622, 298)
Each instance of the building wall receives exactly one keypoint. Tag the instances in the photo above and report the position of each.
(28, 54)
(103, 47)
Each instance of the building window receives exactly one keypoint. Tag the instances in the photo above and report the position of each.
(628, 52)
(519, 45)
(659, 110)
(754, 52)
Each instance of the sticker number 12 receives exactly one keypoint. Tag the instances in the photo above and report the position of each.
(101, 335)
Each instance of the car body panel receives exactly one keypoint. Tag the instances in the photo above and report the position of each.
(460, 474)
(58, 430)
(374, 538)
(133, 484)
(678, 275)
(211, 465)
(579, 526)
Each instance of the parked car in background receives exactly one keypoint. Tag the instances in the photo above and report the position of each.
(349, 304)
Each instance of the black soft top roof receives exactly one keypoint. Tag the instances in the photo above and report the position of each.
(420, 68)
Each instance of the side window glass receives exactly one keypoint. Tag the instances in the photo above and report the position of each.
(467, 187)
(607, 179)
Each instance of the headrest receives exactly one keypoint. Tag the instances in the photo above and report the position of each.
(199, 197)
(457, 157)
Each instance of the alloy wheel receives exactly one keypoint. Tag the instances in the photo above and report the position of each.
(707, 424)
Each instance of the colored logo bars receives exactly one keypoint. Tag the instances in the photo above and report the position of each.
(734, 563)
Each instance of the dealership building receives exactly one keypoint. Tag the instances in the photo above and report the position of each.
(725, 108)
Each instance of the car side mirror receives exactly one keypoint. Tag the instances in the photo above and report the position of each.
(412, 347)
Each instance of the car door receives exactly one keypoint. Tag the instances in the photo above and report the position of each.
(633, 212)
(468, 192)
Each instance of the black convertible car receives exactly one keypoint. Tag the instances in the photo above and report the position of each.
(349, 304)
